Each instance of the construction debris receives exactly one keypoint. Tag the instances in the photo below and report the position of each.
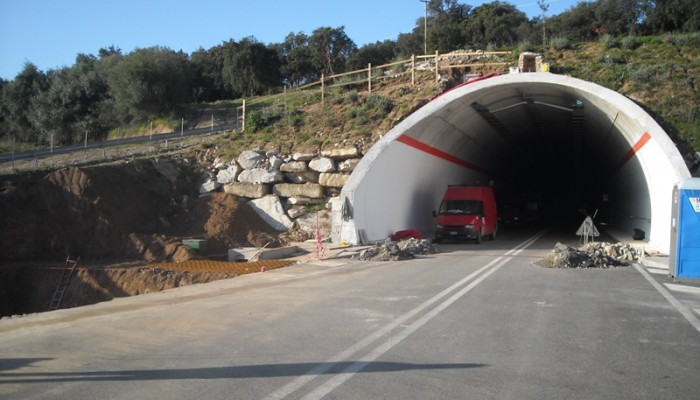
(395, 251)
(591, 255)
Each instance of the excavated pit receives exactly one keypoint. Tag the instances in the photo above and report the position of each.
(118, 219)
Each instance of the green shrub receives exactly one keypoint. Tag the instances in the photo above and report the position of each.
(560, 43)
(525, 46)
(608, 41)
(684, 39)
(379, 103)
(630, 43)
(642, 74)
(253, 121)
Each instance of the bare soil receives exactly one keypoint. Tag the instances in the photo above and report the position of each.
(118, 219)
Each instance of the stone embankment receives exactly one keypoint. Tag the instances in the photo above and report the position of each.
(283, 188)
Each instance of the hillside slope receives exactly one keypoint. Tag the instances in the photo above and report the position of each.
(659, 73)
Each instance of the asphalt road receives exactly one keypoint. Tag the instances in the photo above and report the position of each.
(475, 321)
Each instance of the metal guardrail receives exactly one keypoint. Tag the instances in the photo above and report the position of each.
(42, 153)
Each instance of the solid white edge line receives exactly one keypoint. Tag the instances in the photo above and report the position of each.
(323, 367)
(694, 321)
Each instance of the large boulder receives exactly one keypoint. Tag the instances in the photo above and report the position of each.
(247, 190)
(333, 180)
(260, 175)
(271, 210)
(322, 164)
(275, 161)
(208, 186)
(303, 156)
(302, 177)
(294, 166)
(348, 165)
(342, 154)
(228, 175)
(250, 159)
(310, 190)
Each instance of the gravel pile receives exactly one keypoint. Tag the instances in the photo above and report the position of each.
(396, 251)
(592, 255)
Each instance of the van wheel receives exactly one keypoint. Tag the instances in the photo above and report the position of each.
(478, 238)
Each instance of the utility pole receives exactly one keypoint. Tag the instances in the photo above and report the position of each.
(425, 27)
(544, 6)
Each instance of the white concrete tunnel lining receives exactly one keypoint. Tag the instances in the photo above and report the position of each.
(403, 176)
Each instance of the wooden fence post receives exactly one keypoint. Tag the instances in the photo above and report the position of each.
(243, 118)
(323, 88)
(413, 69)
(437, 68)
(369, 77)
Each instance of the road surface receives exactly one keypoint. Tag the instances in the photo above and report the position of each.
(475, 321)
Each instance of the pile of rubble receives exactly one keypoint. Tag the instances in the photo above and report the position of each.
(395, 251)
(591, 255)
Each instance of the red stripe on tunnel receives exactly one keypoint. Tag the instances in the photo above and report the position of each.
(634, 150)
(416, 144)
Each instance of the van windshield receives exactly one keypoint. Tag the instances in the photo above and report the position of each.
(471, 207)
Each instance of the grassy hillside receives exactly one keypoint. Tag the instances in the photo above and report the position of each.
(659, 73)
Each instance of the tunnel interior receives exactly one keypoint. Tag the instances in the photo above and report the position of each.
(555, 146)
(552, 156)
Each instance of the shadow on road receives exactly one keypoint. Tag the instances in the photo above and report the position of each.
(241, 371)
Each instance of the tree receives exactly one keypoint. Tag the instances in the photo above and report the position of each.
(208, 79)
(445, 21)
(296, 65)
(376, 54)
(671, 16)
(18, 96)
(250, 68)
(496, 24)
(150, 82)
(578, 23)
(73, 103)
(330, 49)
(618, 17)
(408, 44)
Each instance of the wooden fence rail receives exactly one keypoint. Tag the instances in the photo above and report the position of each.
(366, 75)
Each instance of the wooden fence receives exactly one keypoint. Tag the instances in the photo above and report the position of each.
(433, 63)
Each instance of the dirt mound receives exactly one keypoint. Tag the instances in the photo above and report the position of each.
(226, 222)
(119, 212)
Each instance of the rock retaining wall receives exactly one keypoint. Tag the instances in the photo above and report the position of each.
(282, 187)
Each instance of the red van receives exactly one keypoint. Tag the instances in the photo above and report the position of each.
(467, 212)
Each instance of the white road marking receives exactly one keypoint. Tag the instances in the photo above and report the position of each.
(338, 379)
(694, 321)
(654, 264)
(682, 288)
(657, 271)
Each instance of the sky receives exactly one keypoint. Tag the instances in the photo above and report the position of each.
(51, 33)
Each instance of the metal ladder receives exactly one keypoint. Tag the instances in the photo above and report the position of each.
(63, 283)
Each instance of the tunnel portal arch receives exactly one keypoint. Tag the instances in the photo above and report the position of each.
(568, 142)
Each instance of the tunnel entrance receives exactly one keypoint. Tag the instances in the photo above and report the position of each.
(567, 145)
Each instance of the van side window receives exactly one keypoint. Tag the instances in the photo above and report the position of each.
(470, 207)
